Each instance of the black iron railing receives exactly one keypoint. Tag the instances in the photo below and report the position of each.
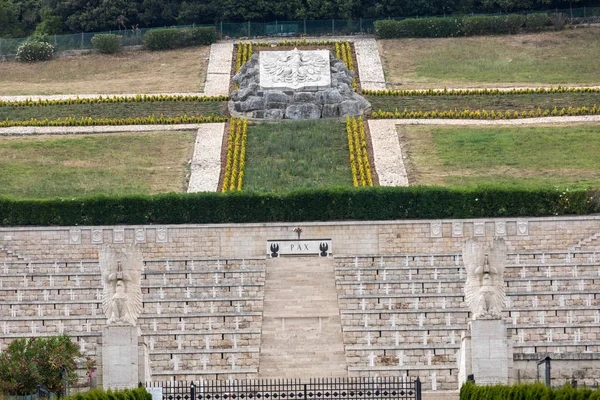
(381, 388)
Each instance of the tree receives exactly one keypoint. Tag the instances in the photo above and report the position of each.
(28, 362)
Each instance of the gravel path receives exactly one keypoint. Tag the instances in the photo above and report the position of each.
(369, 64)
(219, 69)
(206, 162)
(71, 130)
(387, 153)
(524, 121)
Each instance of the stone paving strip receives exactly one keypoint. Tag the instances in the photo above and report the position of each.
(206, 161)
(72, 130)
(369, 64)
(387, 153)
(218, 74)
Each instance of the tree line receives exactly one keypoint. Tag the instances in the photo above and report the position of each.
(19, 18)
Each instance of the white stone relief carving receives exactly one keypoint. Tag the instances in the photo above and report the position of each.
(75, 236)
(121, 277)
(97, 236)
(522, 228)
(500, 228)
(478, 228)
(435, 229)
(119, 235)
(162, 235)
(295, 69)
(484, 288)
(457, 229)
(140, 235)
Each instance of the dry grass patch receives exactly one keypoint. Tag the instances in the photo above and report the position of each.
(182, 70)
(565, 57)
(551, 155)
(81, 165)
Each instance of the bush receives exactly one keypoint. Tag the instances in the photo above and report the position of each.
(99, 394)
(28, 362)
(172, 38)
(558, 20)
(107, 43)
(535, 391)
(34, 50)
(450, 26)
(536, 22)
(332, 204)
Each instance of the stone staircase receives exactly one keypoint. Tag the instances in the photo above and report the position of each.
(301, 332)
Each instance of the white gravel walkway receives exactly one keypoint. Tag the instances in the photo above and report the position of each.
(524, 121)
(387, 153)
(218, 74)
(70, 130)
(206, 162)
(369, 64)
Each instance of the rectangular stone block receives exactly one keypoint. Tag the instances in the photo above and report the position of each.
(120, 356)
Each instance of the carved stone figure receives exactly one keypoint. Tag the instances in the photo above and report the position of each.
(121, 274)
(294, 68)
(484, 288)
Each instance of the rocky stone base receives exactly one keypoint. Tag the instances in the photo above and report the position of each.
(340, 100)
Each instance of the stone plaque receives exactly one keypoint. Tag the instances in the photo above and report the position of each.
(320, 247)
(162, 235)
(75, 236)
(457, 229)
(478, 228)
(119, 235)
(500, 228)
(295, 69)
(97, 236)
(522, 228)
(435, 229)
(140, 235)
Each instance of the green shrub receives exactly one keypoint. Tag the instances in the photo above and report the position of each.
(450, 26)
(171, 38)
(376, 203)
(536, 391)
(536, 22)
(34, 50)
(107, 43)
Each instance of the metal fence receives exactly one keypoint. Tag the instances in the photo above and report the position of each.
(133, 37)
(383, 388)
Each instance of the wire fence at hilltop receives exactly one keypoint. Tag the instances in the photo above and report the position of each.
(329, 27)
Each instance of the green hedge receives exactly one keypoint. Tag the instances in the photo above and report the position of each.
(172, 38)
(107, 43)
(99, 394)
(449, 26)
(376, 203)
(537, 391)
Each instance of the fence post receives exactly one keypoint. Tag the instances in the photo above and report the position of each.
(304, 26)
(82, 40)
(0, 46)
(192, 391)
(248, 28)
(418, 388)
(360, 24)
(332, 26)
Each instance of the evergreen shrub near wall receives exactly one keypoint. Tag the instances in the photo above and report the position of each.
(107, 43)
(537, 391)
(449, 26)
(332, 204)
(99, 394)
(172, 38)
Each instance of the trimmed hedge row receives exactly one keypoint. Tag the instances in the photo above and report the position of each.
(371, 203)
(486, 114)
(536, 391)
(172, 38)
(478, 92)
(449, 26)
(89, 121)
(99, 394)
(139, 98)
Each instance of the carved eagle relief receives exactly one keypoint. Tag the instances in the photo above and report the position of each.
(296, 67)
(484, 288)
(121, 277)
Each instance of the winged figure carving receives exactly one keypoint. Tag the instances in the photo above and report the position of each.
(121, 277)
(484, 288)
(296, 67)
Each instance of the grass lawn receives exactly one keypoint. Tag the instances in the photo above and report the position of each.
(81, 165)
(181, 70)
(562, 156)
(564, 57)
(116, 110)
(293, 155)
(521, 102)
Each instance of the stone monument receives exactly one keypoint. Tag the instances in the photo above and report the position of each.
(295, 84)
(124, 357)
(485, 351)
